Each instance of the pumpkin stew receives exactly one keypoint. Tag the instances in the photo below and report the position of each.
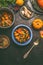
(22, 35)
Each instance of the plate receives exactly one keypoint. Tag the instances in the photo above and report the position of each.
(36, 8)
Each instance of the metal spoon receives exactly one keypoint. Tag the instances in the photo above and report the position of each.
(35, 44)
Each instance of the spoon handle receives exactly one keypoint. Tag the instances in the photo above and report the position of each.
(27, 53)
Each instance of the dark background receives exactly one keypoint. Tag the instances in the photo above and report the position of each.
(13, 55)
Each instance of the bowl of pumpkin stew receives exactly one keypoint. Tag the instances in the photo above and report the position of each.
(22, 35)
(7, 17)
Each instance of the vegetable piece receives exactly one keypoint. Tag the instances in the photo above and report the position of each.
(5, 3)
(40, 3)
(41, 34)
(22, 12)
(20, 2)
(25, 8)
(37, 23)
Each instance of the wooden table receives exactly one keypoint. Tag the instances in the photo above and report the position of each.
(13, 55)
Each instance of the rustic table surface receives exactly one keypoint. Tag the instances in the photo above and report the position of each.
(13, 55)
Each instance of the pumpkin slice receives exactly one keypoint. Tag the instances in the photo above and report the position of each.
(37, 23)
(41, 34)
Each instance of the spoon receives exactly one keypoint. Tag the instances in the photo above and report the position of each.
(27, 53)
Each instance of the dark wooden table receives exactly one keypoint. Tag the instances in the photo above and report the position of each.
(13, 55)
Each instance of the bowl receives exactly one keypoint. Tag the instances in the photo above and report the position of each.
(10, 13)
(4, 41)
(36, 7)
(23, 16)
(30, 32)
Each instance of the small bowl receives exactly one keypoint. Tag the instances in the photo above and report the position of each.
(24, 43)
(8, 10)
(3, 39)
(29, 10)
